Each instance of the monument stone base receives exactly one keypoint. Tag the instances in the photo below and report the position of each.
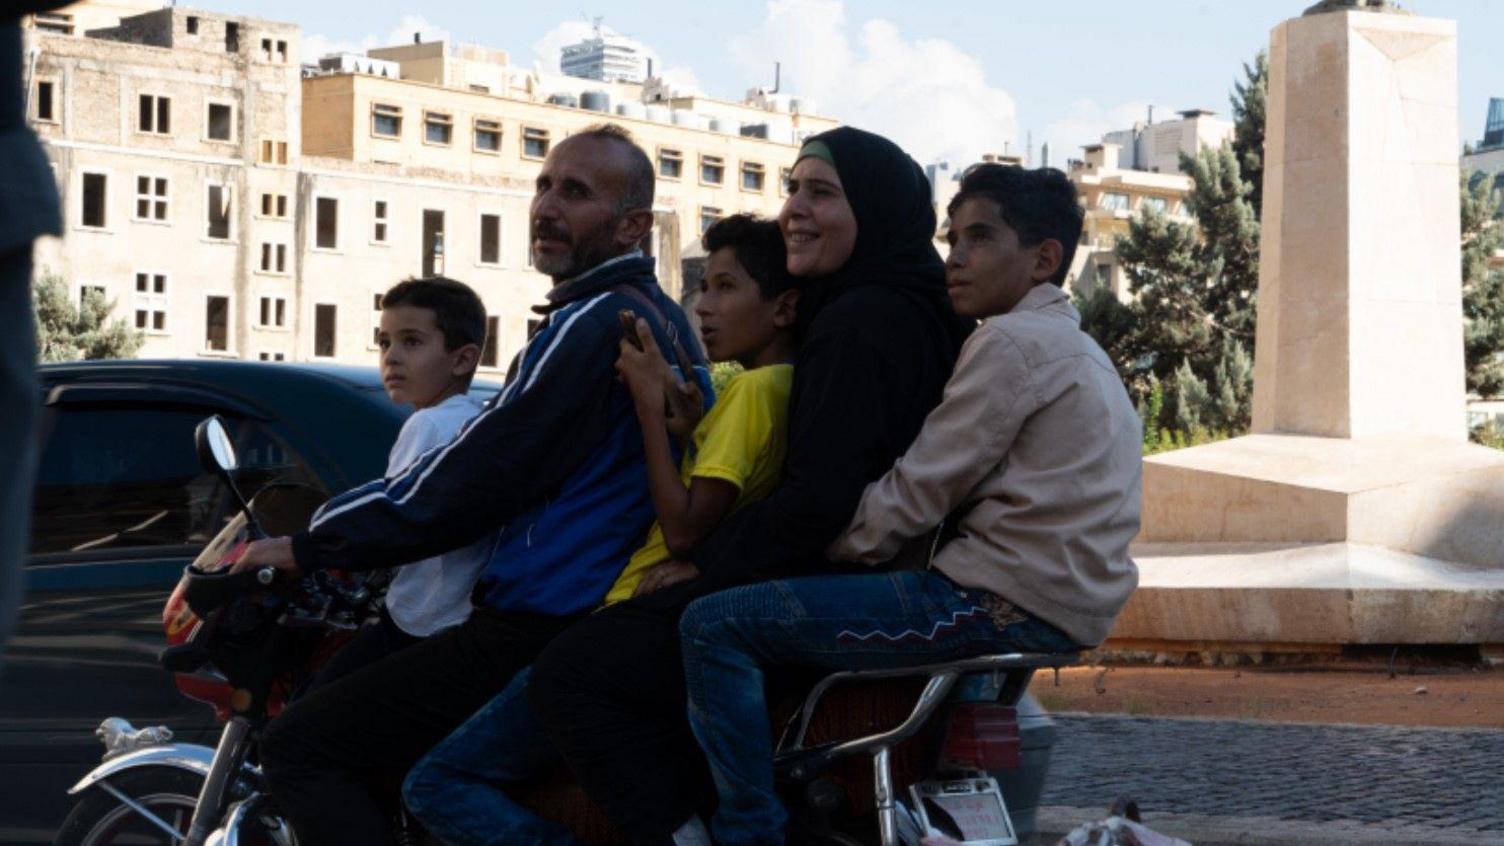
(1303, 540)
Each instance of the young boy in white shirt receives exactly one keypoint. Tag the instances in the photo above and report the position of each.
(430, 337)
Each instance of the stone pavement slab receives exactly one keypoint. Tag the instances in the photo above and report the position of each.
(1228, 780)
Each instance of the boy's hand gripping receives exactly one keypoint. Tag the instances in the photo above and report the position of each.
(652, 383)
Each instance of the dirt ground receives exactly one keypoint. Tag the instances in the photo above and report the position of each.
(1417, 696)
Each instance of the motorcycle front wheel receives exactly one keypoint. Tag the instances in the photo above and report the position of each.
(100, 818)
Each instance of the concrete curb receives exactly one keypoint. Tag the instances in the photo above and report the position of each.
(1168, 718)
(1053, 821)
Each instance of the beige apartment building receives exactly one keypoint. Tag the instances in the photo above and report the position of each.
(232, 203)
(1112, 196)
(162, 130)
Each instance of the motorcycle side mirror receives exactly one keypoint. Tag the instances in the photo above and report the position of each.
(215, 451)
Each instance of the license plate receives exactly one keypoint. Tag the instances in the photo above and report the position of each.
(968, 810)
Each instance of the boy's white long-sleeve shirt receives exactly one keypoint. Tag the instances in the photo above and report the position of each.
(432, 594)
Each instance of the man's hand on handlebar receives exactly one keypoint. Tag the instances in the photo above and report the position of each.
(268, 552)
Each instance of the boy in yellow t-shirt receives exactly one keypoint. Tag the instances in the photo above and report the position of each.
(733, 456)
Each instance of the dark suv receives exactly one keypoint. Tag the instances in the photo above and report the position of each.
(121, 506)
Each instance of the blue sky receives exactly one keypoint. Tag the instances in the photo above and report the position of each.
(947, 80)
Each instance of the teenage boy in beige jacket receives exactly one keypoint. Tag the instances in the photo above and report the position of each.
(1037, 449)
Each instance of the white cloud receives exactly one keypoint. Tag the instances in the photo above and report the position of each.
(315, 45)
(1086, 122)
(546, 54)
(927, 94)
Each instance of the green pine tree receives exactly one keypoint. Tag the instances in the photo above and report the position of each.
(66, 332)
(1250, 104)
(1482, 289)
(1190, 325)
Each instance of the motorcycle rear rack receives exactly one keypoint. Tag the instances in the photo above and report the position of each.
(794, 761)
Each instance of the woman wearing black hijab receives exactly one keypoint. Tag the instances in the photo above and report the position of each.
(879, 340)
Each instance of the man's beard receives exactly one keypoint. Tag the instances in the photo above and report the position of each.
(585, 252)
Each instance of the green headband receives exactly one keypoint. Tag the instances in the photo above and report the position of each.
(816, 150)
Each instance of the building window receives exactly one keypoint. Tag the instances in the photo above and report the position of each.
(326, 223)
(45, 105)
(217, 324)
(273, 313)
(708, 216)
(785, 175)
(155, 114)
(271, 356)
(438, 128)
(1158, 205)
(151, 302)
(534, 142)
(274, 205)
(273, 152)
(273, 258)
(752, 177)
(151, 198)
(487, 135)
(94, 187)
(670, 164)
(378, 216)
(1113, 201)
(386, 121)
(712, 170)
(87, 292)
(323, 330)
(490, 239)
(217, 212)
(376, 321)
(433, 242)
(232, 37)
(193, 24)
(54, 22)
(488, 352)
(221, 122)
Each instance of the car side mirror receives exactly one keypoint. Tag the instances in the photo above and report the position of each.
(215, 451)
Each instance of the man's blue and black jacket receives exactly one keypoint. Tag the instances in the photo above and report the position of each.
(553, 466)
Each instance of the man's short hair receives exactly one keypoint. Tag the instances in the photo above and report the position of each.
(758, 247)
(640, 176)
(1037, 204)
(456, 308)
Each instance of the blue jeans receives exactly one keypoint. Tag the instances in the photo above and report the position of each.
(457, 789)
(867, 622)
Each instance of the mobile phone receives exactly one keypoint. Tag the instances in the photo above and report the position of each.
(629, 327)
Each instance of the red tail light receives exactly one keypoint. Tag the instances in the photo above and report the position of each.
(981, 736)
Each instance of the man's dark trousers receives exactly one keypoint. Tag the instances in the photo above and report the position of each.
(322, 755)
(610, 693)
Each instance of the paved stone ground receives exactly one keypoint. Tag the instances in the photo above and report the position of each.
(1407, 782)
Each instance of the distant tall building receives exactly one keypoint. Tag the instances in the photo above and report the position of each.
(1493, 131)
(1156, 147)
(605, 56)
(1487, 157)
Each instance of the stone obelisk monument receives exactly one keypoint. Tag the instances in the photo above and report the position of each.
(1356, 512)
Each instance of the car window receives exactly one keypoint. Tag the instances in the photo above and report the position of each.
(122, 476)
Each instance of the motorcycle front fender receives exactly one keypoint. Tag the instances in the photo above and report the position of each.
(183, 756)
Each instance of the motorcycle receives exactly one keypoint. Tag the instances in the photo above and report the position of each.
(245, 643)
(241, 643)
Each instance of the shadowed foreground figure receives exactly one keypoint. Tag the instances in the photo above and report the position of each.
(28, 209)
